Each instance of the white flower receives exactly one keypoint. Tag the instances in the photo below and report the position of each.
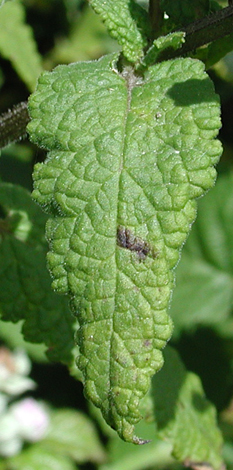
(10, 442)
(22, 362)
(10, 447)
(24, 420)
(14, 367)
(32, 419)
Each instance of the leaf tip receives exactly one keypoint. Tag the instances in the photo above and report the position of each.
(140, 441)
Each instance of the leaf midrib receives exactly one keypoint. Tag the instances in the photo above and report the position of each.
(130, 82)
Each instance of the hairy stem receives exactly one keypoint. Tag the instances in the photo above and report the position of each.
(13, 124)
(204, 31)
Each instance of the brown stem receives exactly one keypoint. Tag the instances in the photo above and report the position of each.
(204, 31)
(13, 124)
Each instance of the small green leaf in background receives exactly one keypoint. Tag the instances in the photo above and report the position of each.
(127, 22)
(184, 417)
(214, 55)
(206, 266)
(73, 434)
(17, 43)
(25, 284)
(36, 457)
(128, 156)
(224, 68)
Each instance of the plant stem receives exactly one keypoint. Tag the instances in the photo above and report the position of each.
(13, 124)
(204, 31)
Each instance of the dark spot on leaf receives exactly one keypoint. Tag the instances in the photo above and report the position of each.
(126, 239)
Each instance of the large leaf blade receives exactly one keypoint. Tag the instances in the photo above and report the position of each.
(121, 181)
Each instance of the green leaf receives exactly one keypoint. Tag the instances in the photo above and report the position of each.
(218, 50)
(25, 285)
(17, 43)
(207, 264)
(126, 22)
(73, 434)
(38, 458)
(213, 53)
(128, 156)
(185, 418)
(183, 12)
(173, 40)
(214, 300)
